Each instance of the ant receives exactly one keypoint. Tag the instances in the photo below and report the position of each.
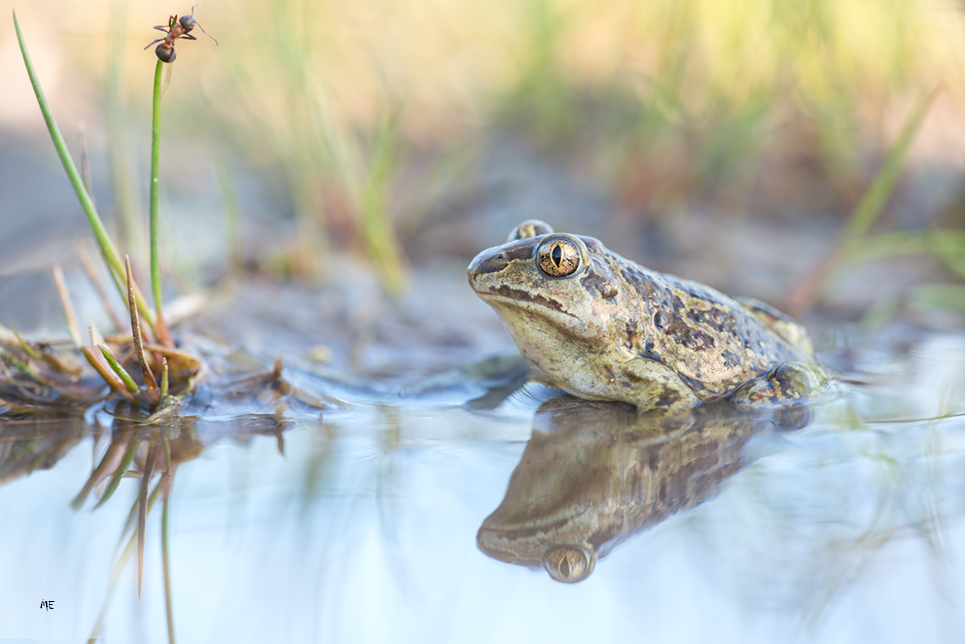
(176, 28)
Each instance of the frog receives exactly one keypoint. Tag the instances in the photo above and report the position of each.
(602, 327)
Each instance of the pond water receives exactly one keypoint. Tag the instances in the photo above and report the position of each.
(437, 516)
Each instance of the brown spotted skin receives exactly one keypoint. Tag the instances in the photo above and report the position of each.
(614, 330)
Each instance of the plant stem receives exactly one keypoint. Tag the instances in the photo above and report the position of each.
(119, 370)
(160, 328)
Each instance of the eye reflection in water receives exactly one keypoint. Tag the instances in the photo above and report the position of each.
(593, 474)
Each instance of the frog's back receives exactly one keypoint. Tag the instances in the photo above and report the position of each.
(712, 341)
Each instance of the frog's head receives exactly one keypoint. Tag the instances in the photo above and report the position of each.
(550, 288)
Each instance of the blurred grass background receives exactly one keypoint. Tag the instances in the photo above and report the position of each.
(355, 116)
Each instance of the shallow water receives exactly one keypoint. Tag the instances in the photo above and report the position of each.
(364, 528)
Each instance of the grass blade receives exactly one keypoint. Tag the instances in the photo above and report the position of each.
(874, 200)
(105, 372)
(948, 246)
(119, 370)
(377, 225)
(86, 203)
(864, 215)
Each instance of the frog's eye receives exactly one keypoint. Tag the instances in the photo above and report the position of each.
(558, 257)
(569, 564)
(530, 228)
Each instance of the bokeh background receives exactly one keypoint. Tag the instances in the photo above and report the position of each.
(740, 132)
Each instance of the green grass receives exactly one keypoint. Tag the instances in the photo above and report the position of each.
(83, 197)
(693, 100)
(161, 327)
(854, 234)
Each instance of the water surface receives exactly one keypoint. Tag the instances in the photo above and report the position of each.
(361, 523)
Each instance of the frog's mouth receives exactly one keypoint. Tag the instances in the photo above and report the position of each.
(515, 296)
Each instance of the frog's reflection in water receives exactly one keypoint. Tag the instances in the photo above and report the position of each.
(593, 474)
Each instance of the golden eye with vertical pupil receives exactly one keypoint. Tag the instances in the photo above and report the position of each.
(568, 564)
(558, 257)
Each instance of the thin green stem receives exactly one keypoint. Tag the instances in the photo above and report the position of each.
(155, 162)
(119, 370)
(160, 328)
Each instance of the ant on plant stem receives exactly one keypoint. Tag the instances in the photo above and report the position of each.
(176, 28)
